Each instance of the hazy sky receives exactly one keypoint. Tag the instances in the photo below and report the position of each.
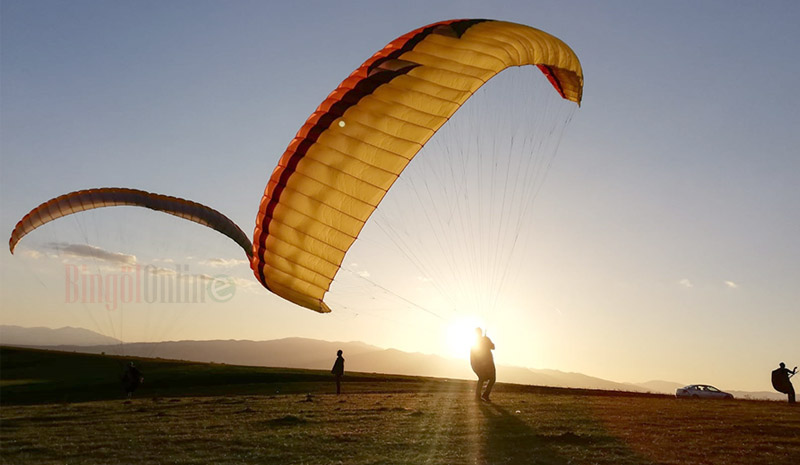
(665, 238)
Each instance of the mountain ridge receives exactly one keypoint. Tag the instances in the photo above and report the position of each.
(40, 335)
(300, 352)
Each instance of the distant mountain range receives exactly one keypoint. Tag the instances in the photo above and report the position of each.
(316, 354)
(41, 336)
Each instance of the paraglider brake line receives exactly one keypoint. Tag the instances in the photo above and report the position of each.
(430, 312)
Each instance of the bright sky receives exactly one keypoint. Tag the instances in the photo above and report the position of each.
(665, 237)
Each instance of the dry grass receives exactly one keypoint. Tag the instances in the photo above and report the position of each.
(442, 426)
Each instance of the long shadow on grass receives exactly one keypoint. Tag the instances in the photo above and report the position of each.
(507, 439)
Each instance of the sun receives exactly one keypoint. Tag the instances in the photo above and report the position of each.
(461, 335)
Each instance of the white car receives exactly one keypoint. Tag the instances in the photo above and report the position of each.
(702, 391)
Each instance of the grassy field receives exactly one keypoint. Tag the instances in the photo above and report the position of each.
(197, 413)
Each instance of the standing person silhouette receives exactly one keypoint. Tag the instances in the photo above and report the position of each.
(482, 361)
(338, 371)
(781, 383)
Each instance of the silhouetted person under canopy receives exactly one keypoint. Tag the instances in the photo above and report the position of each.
(338, 371)
(480, 357)
(781, 383)
(131, 379)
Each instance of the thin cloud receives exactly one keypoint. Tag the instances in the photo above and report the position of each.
(32, 254)
(224, 262)
(685, 282)
(160, 271)
(353, 268)
(240, 283)
(246, 284)
(90, 251)
(731, 284)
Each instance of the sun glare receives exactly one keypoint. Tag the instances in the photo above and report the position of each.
(461, 335)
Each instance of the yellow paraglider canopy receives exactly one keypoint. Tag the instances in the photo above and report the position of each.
(354, 146)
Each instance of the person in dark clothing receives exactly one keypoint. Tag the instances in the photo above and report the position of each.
(131, 379)
(338, 371)
(781, 383)
(480, 357)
